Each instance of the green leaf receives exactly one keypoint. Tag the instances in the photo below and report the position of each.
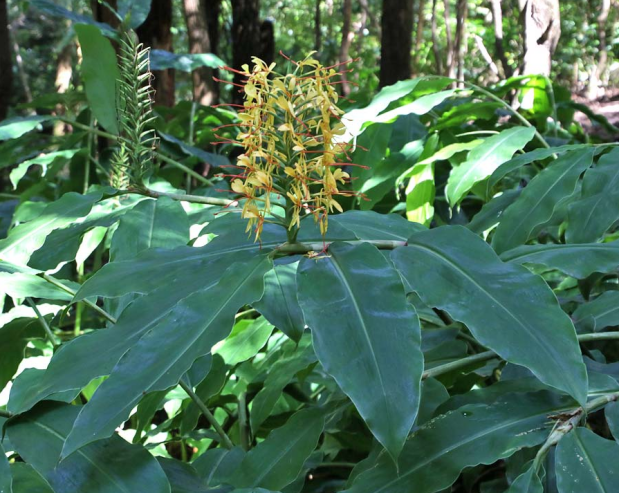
(14, 337)
(585, 462)
(492, 211)
(279, 303)
(276, 462)
(245, 341)
(183, 477)
(436, 453)
(216, 466)
(27, 237)
(611, 414)
(55, 10)
(135, 10)
(536, 203)
(595, 212)
(100, 73)
(370, 225)
(186, 62)
(15, 127)
(597, 314)
(26, 479)
(375, 353)
(210, 158)
(420, 106)
(450, 150)
(577, 260)
(44, 160)
(507, 309)
(484, 159)
(6, 479)
(20, 390)
(528, 481)
(111, 465)
(20, 285)
(161, 357)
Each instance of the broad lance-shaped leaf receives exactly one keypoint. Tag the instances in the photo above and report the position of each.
(11, 128)
(596, 210)
(161, 357)
(528, 481)
(597, 314)
(480, 434)
(27, 237)
(100, 73)
(370, 225)
(277, 461)
(245, 341)
(484, 159)
(536, 203)
(507, 308)
(26, 479)
(585, 462)
(578, 260)
(611, 414)
(279, 302)
(6, 479)
(366, 335)
(111, 465)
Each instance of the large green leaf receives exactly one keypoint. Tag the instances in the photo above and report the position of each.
(99, 73)
(14, 337)
(365, 335)
(13, 128)
(528, 481)
(585, 462)
(578, 260)
(536, 203)
(437, 452)
(161, 357)
(245, 341)
(215, 466)
(52, 8)
(507, 308)
(277, 461)
(182, 476)
(369, 225)
(597, 314)
(136, 11)
(20, 285)
(420, 106)
(210, 158)
(44, 160)
(611, 414)
(27, 237)
(596, 210)
(492, 211)
(111, 465)
(279, 303)
(26, 479)
(484, 159)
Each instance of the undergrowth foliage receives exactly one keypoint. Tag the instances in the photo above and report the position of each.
(453, 327)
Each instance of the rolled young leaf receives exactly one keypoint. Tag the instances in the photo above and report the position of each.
(366, 335)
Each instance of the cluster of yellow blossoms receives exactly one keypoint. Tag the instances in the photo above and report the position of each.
(288, 129)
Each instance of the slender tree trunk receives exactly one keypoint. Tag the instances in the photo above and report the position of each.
(267, 42)
(156, 32)
(64, 73)
(213, 26)
(460, 46)
(6, 67)
(595, 78)
(541, 20)
(396, 29)
(436, 50)
(101, 13)
(496, 10)
(317, 25)
(199, 42)
(345, 44)
(449, 42)
(245, 38)
(419, 35)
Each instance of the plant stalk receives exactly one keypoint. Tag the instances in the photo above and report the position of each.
(46, 327)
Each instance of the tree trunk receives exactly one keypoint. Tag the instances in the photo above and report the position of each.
(267, 42)
(317, 26)
(245, 38)
(396, 31)
(496, 10)
(541, 20)
(64, 72)
(419, 35)
(436, 50)
(595, 78)
(101, 13)
(156, 33)
(460, 46)
(6, 81)
(345, 44)
(198, 38)
(449, 42)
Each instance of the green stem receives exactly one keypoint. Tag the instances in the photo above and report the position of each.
(304, 248)
(481, 357)
(46, 327)
(336, 464)
(214, 201)
(563, 427)
(6, 414)
(226, 442)
(244, 432)
(65, 288)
